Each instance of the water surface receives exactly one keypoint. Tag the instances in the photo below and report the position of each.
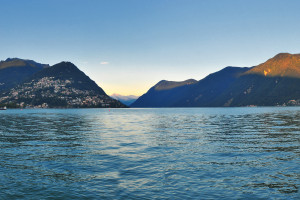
(195, 153)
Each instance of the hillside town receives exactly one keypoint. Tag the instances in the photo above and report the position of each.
(50, 92)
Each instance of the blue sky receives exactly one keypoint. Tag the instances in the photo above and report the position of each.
(127, 46)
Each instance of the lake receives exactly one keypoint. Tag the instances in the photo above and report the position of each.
(166, 153)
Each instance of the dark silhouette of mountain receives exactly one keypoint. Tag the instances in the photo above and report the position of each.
(275, 82)
(127, 100)
(259, 90)
(62, 85)
(14, 71)
(207, 90)
(164, 94)
(68, 71)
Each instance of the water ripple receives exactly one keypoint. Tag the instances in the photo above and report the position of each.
(203, 153)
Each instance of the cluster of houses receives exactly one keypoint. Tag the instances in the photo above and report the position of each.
(47, 88)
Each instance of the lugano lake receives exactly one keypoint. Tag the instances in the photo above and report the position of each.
(163, 153)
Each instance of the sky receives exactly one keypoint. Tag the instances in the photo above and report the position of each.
(127, 46)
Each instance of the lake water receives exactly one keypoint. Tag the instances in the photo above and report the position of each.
(194, 153)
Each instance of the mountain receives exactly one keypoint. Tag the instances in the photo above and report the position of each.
(274, 82)
(14, 71)
(165, 94)
(127, 100)
(206, 91)
(68, 71)
(62, 85)
(281, 65)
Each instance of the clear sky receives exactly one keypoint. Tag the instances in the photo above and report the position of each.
(127, 46)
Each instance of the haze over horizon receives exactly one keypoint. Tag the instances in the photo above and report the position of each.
(128, 46)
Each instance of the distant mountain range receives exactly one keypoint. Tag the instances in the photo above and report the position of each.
(25, 83)
(275, 82)
(127, 100)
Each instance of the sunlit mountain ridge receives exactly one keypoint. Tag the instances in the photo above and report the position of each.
(281, 65)
(275, 82)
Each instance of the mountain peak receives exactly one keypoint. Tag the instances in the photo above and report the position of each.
(15, 70)
(282, 65)
(166, 85)
(62, 85)
(18, 62)
(11, 59)
(284, 55)
(115, 95)
(65, 64)
(127, 100)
